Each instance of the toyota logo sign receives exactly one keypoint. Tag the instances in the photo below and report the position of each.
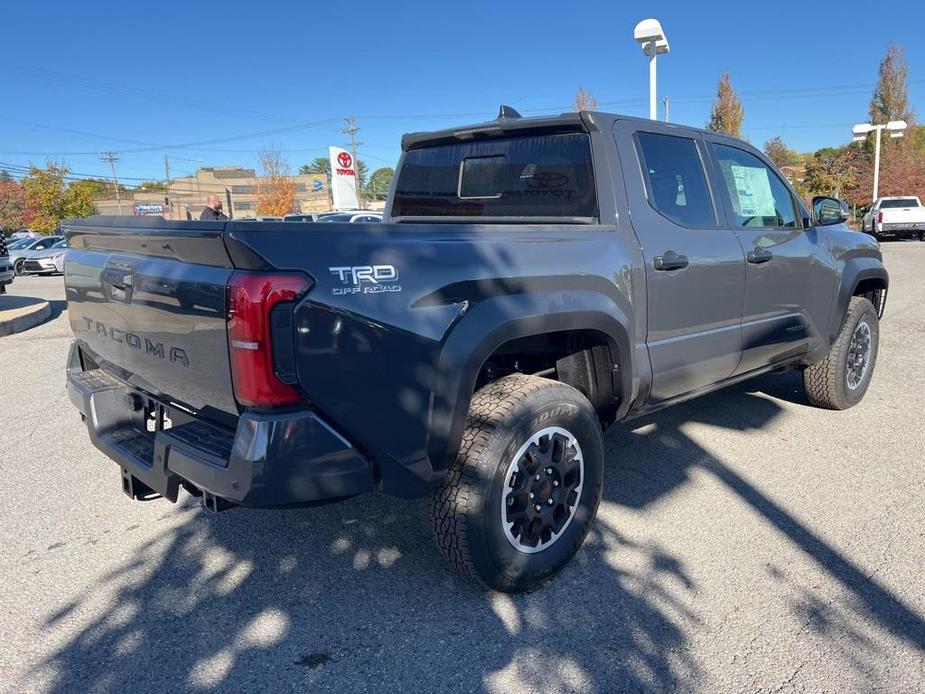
(345, 160)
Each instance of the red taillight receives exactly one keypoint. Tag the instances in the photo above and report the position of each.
(251, 297)
(880, 218)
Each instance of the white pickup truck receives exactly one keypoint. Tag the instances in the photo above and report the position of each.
(902, 217)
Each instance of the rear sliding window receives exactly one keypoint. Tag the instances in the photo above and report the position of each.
(903, 202)
(542, 176)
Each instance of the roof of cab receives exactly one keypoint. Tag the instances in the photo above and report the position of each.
(586, 121)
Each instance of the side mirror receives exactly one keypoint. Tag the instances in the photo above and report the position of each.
(827, 211)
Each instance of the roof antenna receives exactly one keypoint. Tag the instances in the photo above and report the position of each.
(507, 112)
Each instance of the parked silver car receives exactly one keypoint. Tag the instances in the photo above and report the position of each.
(47, 262)
(28, 248)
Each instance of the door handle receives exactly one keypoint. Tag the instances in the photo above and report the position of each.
(758, 256)
(671, 261)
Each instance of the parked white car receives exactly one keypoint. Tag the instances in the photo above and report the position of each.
(900, 217)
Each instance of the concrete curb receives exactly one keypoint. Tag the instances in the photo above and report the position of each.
(20, 318)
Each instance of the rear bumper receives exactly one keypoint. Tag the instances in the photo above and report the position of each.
(912, 229)
(269, 460)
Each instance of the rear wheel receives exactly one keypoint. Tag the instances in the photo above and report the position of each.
(18, 267)
(841, 379)
(520, 499)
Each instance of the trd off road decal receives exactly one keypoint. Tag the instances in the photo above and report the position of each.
(365, 279)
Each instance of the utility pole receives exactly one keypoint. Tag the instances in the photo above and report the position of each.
(352, 131)
(167, 186)
(667, 103)
(167, 159)
(112, 158)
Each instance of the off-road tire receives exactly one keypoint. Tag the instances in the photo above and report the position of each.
(466, 508)
(826, 382)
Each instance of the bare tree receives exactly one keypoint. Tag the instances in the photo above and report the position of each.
(584, 100)
(275, 188)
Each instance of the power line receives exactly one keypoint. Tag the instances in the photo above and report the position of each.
(72, 80)
(192, 145)
(764, 94)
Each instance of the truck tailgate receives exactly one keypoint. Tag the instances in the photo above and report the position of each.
(149, 301)
(910, 216)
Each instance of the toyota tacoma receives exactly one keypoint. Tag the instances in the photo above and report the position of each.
(536, 280)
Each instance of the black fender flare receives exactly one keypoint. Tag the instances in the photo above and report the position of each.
(855, 271)
(493, 322)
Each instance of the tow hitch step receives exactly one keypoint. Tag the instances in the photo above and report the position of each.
(136, 489)
(214, 504)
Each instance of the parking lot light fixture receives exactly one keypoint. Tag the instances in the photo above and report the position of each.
(651, 37)
(896, 128)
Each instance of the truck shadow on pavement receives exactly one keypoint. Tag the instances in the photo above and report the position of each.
(356, 596)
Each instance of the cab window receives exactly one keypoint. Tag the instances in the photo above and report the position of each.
(757, 195)
(676, 184)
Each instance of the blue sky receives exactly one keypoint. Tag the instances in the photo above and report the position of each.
(192, 79)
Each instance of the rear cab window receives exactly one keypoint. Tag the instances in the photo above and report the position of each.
(676, 184)
(902, 202)
(532, 176)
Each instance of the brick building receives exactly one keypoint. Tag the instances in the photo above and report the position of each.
(188, 194)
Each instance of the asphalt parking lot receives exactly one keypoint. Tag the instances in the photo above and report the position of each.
(746, 542)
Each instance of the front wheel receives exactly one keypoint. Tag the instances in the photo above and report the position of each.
(18, 268)
(521, 497)
(841, 379)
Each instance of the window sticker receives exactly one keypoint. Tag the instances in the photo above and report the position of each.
(753, 189)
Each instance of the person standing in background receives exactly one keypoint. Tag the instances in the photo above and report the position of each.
(212, 212)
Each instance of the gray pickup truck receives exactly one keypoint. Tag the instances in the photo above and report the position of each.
(536, 280)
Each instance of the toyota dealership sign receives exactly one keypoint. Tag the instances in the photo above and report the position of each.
(343, 179)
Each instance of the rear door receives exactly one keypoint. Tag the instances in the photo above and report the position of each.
(789, 278)
(695, 268)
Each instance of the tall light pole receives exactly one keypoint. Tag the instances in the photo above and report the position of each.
(895, 128)
(652, 38)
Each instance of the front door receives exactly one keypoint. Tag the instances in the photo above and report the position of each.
(789, 286)
(695, 268)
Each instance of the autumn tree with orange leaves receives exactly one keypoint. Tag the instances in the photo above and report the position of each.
(275, 188)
